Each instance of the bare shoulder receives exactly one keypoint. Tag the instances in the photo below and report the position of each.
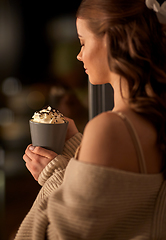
(104, 141)
(102, 125)
(107, 142)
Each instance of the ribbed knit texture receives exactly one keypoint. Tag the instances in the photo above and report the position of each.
(96, 202)
(103, 203)
(35, 223)
(60, 162)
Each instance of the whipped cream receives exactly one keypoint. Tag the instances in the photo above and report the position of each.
(48, 115)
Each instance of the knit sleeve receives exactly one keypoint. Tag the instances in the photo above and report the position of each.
(59, 163)
(77, 210)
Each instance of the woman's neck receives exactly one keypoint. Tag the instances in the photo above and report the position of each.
(120, 94)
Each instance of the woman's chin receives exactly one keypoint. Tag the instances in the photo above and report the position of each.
(94, 81)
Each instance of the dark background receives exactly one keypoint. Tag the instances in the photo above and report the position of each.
(38, 67)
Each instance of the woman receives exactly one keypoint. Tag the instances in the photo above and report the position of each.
(114, 187)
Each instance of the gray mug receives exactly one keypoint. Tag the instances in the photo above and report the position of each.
(49, 136)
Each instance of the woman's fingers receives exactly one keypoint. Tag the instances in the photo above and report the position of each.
(31, 150)
(35, 164)
(37, 158)
(26, 158)
(33, 170)
(32, 166)
(71, 129)
(44, 152)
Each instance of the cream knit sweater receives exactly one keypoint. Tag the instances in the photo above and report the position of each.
(50, 179)
(95, 202)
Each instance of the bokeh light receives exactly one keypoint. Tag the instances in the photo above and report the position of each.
(6, 117)
(35, 100)
(11, 86)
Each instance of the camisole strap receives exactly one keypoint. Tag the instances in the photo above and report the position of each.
(136, 142)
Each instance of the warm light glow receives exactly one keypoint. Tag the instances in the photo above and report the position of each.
(35, 100)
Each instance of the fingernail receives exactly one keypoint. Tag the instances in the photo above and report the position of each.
(31, 148)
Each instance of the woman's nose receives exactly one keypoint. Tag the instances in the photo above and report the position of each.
(79, 56)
